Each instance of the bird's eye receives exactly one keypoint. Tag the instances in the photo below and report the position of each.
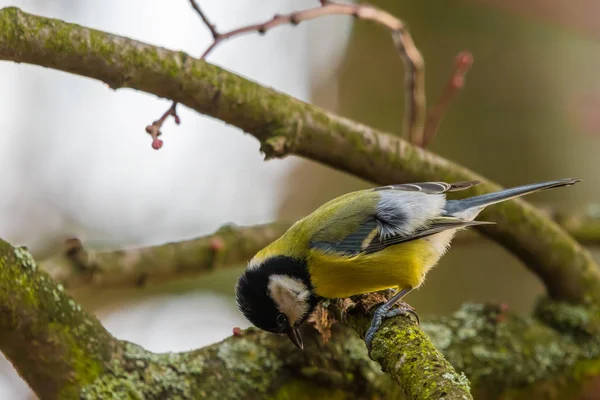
(281, 319)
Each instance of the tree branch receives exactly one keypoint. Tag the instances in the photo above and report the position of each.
(405, 352)
(229, 246)
(209, 25)
(285, 126)
(464, 60)
(56, 347)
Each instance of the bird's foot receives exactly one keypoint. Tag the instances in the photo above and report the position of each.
(384, 312)
(404, 309)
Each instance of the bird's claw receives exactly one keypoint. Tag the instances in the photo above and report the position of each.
(404, 309)
(384, 312)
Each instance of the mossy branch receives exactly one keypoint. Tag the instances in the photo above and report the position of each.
(405, 352)
(552, 355)
(285, 126)
(54, 345)
(63, 352)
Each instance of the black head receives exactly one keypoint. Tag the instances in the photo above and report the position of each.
(276, 295)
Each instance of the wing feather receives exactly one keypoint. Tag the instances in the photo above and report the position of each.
(430, 187)
(443, 224)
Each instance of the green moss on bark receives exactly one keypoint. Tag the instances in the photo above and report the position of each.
(512, 355)
(251, 366)
(53, 344)
(406, 353)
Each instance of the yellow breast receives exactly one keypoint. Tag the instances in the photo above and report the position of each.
(402, 266)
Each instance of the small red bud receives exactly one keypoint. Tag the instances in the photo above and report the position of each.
(217, 244)
(464, 59)
(177, 120)
(157, 144)
(237, 331)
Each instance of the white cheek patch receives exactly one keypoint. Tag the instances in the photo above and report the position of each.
(290, 296)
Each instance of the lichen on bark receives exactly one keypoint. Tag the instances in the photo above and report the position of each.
(515, 356)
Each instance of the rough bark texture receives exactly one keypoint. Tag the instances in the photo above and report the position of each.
(56, 346)
(552, 355)
(405, 352)
(285, 126)
(253, 365)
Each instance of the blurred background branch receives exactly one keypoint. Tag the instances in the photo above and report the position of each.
(230, 246)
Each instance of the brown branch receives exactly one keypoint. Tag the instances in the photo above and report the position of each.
(154, 129)
(413, 61)
(464, 61)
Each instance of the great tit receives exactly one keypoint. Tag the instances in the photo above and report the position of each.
(362, 242)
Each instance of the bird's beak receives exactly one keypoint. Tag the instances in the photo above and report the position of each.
(295, 337)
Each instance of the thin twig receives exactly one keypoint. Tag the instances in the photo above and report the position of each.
(415, 108)
(211, 27)
(464, 60)
(154, 129)
(414, 75)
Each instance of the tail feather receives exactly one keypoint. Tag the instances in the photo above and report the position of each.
(470, 207)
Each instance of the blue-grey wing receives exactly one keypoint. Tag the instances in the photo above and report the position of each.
(404, 212)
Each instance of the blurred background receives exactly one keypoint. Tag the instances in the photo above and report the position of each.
(76, 160)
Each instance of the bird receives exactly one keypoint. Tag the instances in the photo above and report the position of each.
(387, 237)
